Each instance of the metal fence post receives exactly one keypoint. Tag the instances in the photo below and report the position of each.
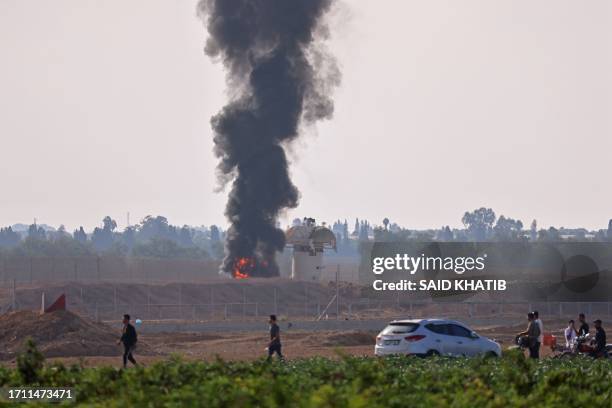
(180, 290)
(98, 268)
(14, 297)
(337, 294)
(148, 301)
(244, 302)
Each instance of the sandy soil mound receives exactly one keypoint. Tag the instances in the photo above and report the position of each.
(58, 334)
(347, 339)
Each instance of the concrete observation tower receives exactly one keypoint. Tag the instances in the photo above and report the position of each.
(308, 242)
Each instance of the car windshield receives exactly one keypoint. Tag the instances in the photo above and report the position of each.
(400, 328)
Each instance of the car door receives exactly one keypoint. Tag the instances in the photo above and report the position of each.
(463, 343)
(442, 339)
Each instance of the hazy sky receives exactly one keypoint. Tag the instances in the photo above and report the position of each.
(445, 106)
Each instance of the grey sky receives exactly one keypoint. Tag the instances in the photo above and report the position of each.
(445, 106)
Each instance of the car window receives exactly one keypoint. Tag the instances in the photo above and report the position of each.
(459, 331)
(438, 328)
(400, 328)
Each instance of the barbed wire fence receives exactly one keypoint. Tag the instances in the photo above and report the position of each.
(17, 273)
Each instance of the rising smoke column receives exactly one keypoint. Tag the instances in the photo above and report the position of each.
(279, 78)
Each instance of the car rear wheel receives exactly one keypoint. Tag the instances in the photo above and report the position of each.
(432, 353)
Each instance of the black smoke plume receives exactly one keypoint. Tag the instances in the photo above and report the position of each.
(279, 79)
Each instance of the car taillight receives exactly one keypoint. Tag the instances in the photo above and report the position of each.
(378, 340)
(416, 337)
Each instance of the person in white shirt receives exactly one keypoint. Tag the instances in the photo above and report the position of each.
(570, 335)
(540, 325)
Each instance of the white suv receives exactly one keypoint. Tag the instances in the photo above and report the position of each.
(427, 337)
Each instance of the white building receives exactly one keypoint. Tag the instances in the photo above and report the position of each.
(308, 242)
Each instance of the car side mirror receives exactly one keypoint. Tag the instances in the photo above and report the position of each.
(474, 336)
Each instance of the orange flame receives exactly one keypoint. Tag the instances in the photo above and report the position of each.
(242, 266)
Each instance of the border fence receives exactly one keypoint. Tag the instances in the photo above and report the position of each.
(92, 269)
(353, 310)
(97, 292)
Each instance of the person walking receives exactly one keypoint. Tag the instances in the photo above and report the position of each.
(274, 346)
(129, 339)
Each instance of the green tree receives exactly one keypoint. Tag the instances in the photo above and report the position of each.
(479, 223)
(507, 229)
(533, 232)
(214, 233)
(30, 362)
(102, 238)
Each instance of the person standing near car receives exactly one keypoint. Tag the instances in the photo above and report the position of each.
(600, 340)
(129, 339)
(275, 343)
(584, 327)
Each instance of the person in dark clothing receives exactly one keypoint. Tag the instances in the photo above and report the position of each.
(584, 327)
(275, 343)
(129, 339)
(600, 341)
(540, 341)
(532, 333)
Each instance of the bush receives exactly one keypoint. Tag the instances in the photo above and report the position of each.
(30, 362)
(350, 382)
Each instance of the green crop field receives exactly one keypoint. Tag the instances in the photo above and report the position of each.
(344, 382)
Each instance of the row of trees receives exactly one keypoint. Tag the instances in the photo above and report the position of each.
(481, 224)
(156, 237)
(152, 237)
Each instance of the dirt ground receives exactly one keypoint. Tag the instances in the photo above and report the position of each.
(232, 347)
(251, 346)
(76, 338)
